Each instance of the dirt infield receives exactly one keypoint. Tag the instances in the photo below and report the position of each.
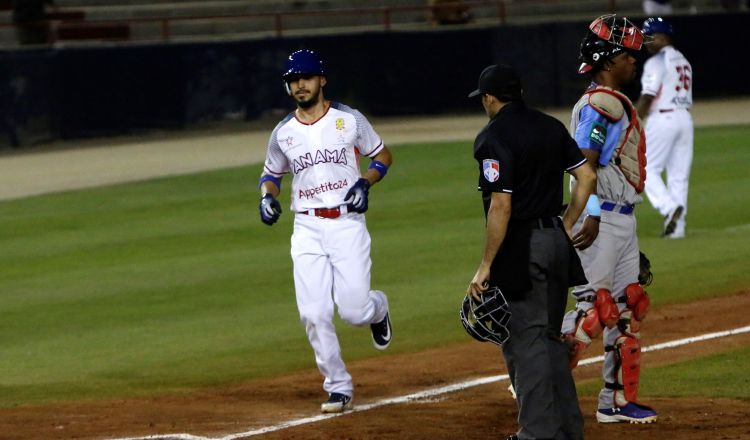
(484, 412)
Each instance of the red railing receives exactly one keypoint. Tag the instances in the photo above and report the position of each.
(278, 23)
(382, 17)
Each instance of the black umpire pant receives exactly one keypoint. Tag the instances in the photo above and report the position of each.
(536, 358)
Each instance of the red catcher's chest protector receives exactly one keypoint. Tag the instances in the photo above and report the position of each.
(630, 155)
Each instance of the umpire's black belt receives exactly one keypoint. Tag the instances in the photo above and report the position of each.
(546, 222)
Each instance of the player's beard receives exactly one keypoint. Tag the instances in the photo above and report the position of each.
(309, 102)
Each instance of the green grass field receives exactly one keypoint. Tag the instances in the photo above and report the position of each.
(174, 284)
(713, 376)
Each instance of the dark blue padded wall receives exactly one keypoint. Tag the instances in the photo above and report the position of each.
(79, 92)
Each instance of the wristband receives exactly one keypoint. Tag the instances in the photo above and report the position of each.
(380, 167)
(593, 208)
(269, 178)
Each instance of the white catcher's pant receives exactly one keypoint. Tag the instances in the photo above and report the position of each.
(669, 147)
(332, 265)
(612, 262)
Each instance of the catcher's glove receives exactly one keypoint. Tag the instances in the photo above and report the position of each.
(645, 277)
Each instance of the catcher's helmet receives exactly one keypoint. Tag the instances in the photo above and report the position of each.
(303, 62)
(608, 36)
(657, 25)
(486, 320)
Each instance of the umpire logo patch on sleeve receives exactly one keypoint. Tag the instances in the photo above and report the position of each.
(491, 170)
(598, 133)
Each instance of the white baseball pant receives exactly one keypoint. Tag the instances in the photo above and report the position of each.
(612, 262)
(669, 147)
(332, 265)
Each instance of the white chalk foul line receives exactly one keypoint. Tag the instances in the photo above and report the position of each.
(426, 393)
(170, 437)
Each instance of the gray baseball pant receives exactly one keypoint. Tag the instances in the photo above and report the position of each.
(536, 358)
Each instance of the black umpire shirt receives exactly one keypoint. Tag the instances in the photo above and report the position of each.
(525, 153)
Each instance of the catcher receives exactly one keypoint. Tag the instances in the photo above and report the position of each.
(613, 302)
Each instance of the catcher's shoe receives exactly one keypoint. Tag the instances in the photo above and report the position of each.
(336, 403)
(631, 413)
(670, 221)
(381, 333)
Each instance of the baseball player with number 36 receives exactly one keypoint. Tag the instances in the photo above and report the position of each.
(666, 97)
(320, 144)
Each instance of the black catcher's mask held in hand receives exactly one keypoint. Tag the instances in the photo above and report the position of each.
(486, 320)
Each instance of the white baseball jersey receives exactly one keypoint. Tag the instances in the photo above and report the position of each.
(322, 156)
(668, 76)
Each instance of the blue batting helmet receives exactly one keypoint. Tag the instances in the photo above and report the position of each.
(657, 25)
(303, 62)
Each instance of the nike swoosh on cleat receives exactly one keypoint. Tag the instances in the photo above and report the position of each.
(387, 336)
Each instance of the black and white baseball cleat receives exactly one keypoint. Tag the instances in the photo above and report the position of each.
(381, 333)
(670, 221)
(336, 403)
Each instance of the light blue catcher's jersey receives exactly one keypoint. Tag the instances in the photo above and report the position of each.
(593, 131)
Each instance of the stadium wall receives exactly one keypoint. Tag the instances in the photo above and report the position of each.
(97, 91)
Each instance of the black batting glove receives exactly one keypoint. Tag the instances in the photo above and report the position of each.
(270, 209)
(357, 195)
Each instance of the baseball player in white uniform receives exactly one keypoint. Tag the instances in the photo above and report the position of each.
(657, 7)
(605, 125)
(666, 98)
(320, 144)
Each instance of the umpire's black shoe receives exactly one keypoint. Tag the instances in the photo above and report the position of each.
(336, 403)
(381, 333)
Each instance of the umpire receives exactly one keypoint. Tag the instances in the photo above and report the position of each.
(522, 155)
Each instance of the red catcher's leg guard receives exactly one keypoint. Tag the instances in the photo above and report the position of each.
(587, 327)
(605, 305)
(628, 353)
(575, 350)
(637, 300)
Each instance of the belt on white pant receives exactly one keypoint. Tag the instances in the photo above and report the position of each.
(326, 212)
